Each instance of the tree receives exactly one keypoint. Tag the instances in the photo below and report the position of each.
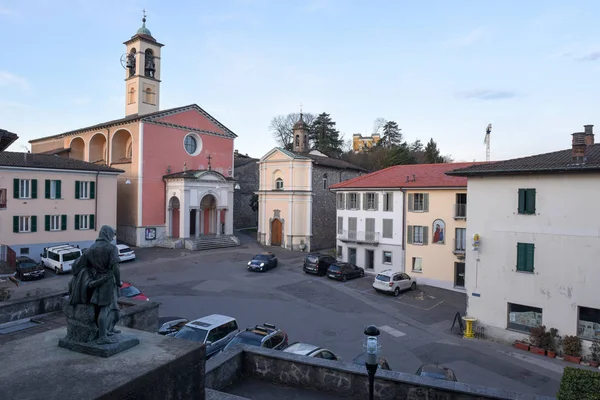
(378, 125)
(281, 128)
(432, 153)
(416, 146)
(391, 134)
(325, 137)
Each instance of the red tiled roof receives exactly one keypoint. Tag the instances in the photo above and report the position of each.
(418, 175)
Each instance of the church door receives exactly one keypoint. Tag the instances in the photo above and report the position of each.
(276, 232)
(175, 222)
(193, 222)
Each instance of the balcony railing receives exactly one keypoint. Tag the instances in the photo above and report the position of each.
(460, 245)
(359, 237)
(460, 211)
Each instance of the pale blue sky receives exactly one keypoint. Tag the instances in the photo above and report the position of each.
(441, 69)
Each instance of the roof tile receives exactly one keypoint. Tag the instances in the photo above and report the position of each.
(49, 161)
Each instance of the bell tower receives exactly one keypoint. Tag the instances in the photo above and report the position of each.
(300, 136)
(142, 72)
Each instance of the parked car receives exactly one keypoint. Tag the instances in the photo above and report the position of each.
(60, 258)
(131, 292)
(317, 263)
(262, 262)
(343, 271)
(361, 359)
(29, 269)
(393, 282)
(310, 350)
(169, 326)
(215, 331)
(437, 372)
(125, 253)
(265, 335)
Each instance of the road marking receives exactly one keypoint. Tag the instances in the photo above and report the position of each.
(539, 362)
(392, 331)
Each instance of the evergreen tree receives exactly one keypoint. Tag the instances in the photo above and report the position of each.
(416, 146)
(391, 134)
(325, 137)
(432, 153)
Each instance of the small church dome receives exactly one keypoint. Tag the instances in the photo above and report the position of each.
(300, 124)
(143, 30)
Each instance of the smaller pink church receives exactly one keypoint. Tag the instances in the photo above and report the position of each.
(178, 181)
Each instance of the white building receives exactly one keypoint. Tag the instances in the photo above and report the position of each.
(538, 222)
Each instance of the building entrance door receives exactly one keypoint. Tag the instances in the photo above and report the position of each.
(193, 222)
(369, 259)
(352, 255)
(276, 232)
(459, 274)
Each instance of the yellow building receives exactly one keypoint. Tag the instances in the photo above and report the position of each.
(362, 143)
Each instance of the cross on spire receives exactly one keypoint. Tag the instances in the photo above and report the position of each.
(144, 13)
(300, 108)
(209, 158)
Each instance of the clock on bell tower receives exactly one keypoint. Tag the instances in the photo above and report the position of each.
(142, 72)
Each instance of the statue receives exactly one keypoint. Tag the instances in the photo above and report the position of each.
(92, 311)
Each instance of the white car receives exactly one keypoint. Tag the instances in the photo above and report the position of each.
(310, 350)
(394, 282)
(125, 253)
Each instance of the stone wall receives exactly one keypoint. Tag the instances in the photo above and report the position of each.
(13, 310)
(247, 175)
(324, 222)
(140, 315)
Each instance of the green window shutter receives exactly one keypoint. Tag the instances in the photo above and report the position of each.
(34, 188)
(520, 256)
(529, 255)
(426, 202)
(58, 191)
(33, 223)
(92, 221)
(92, 190)
(47, 189)
(16, 188)
(47, 221)
(16, 224)
(364, 196)
(76, 222)
(411, 202)
(63, 222)
(348, 201)
(376, 202)
(530, 201)
(357, 201)
(77, 191)
(409, 234)
(425, 235)
(343, 195)
(521, 208)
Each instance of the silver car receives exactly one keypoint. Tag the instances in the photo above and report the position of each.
(310, 350)
(214, 330)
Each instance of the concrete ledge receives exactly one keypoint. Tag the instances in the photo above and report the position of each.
(215, 395)
(224, 368)
(140, 315)
(12, 310)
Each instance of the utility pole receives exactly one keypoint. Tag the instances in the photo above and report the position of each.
(488, 131)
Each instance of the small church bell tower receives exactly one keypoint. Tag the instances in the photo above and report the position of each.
(142, 72)
(300, 136)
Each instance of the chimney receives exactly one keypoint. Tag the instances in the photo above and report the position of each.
(579, 146)
(235, 153)
(589, 135)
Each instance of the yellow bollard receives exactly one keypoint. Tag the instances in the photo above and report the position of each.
(469, 328)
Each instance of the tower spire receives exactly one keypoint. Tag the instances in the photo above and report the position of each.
(144, 17)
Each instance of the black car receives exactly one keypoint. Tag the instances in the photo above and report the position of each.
(361, 359)
(343, 271)
(262, 262)
(29, 269)
(169, 326)
(266, 335)
(437, 372)
(317, 263)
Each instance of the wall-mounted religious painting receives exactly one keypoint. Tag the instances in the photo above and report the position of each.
(439, 232)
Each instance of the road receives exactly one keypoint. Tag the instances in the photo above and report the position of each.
(415, 326)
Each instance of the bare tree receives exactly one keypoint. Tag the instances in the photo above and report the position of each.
(379, 124)
(281, 127)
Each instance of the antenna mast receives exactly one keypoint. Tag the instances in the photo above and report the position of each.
(488, 131)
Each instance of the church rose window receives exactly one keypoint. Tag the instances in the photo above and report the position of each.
(190, 144)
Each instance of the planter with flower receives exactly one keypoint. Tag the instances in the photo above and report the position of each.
(595, 354)
(572, 348)
(537, 338)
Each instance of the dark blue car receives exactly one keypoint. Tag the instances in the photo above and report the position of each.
(262, 262)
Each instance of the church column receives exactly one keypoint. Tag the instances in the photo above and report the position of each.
(198, 211)
(229, 213)
(218, 224)
(201, 228)
(184, 215)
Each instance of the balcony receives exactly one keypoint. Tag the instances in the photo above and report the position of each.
(460, 246)
(359, 237)
(460, 211)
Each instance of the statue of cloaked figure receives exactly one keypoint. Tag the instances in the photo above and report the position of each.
(96, 281)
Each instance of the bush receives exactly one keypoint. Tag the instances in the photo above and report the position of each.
(572, 346)
(5, 293)
(595, 350)
(579, 384)
(541, 338)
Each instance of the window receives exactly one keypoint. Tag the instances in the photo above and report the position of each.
(352, 228)
(460, 208)
(340, 201)
(370, 229)
(23, 224)
(190, 144)
(525, 257)
(589, 323)
(148, 96)
(387, 257)
(25, 188)
(417, 234)
(460, 241)
(418, 202)
(131, 97)
(85, 190)
(55, 222)
(297, 141)
(3, 198)
(24, 251)
(340, 227)
(52, 189)
(84, 221)
(324, 181)
(352, 202)
(523, 318)
(279, 184)
(388, 201)
(526, 201)
(370, 201)
(340, 252)
(388, 229)
(417, 264)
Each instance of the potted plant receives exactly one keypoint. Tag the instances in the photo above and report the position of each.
(519, 344)
(559, 348)
(595, 354)
(550, 342)
(536, 337)
(572, 347)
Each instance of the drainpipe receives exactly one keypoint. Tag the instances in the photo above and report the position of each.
(96, 203)
(107, 147)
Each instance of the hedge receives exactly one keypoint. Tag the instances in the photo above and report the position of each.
(579, 384)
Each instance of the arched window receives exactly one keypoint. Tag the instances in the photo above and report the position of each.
(305, 142)
(297, 140)
(325, 181)
(190, 144)
(131, 98)
(279, 184)
(150, 66)
(148, 96)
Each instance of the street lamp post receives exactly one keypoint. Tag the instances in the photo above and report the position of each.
(372, 349)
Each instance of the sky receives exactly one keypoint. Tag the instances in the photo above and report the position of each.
(440, 69)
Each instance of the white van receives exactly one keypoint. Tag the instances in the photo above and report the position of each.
(60, 258)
